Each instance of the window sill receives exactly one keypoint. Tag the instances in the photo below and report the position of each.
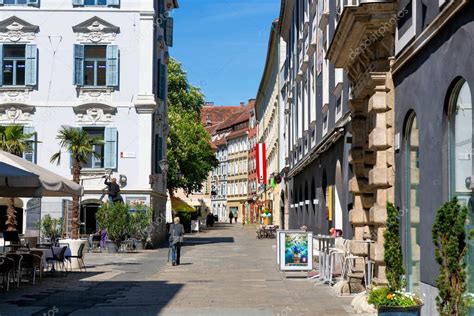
(16, 88)
(93, 171)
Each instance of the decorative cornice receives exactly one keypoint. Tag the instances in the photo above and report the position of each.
(15, 24)
(359, 28)
(95, 24)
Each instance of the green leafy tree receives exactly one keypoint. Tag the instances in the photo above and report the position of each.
(189, 145)
(393, 256)
(81, 146)
(449, 239)
(51, 227)
(116, 218)
(14, 141)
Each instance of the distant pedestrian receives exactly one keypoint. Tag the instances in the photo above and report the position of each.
(236, 217)
(176, 240)
(231, 216)
(113, 189)
(103, 238)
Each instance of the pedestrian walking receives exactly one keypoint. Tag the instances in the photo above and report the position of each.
(236, 217)
(176, 240)
(231, 216)
(113, 189)
(103, 238)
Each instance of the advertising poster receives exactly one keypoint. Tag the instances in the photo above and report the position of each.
(296, 251)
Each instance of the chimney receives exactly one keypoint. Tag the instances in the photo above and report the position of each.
(210, 103)
(252, 102)
(242, 103)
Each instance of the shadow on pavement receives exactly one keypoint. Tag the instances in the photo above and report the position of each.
(98, 297)
(193, 241)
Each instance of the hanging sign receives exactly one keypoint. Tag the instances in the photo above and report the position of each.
(261, 163)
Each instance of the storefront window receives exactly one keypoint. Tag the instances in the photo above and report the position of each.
(412, 218)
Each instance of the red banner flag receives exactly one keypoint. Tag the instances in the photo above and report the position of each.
(261, 163)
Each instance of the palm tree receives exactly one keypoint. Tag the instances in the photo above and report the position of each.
(14, 141)
(81, 146)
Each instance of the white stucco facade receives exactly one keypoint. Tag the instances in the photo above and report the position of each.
(125, 102)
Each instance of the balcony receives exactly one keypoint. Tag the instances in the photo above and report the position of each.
(356, 24)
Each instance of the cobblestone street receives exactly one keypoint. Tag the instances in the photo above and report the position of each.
(224, 271)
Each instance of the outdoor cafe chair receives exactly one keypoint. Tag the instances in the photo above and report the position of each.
(59, 259)
(79, 257)
(7, 267)
(32, 262)
(339, 251)
(17, 260)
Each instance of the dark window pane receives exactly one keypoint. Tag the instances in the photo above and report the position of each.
(95, 52)
(101, 73)
(102, 2)
(14, 2)
(8, 73)
(20, 73)
(14, 51)
(89, 73)
(96, 162)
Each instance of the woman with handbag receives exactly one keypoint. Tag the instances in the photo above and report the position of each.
(176, 240)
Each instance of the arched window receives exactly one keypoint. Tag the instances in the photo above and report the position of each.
(460, 141)
(461, 162)
(412, 216)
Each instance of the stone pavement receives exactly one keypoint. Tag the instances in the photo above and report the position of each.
(224, 271)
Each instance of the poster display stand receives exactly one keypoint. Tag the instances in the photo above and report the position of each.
(294, 251)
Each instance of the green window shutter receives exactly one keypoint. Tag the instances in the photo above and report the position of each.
(1, 64)
(77, 2)
(34, 3)
(112, 65)
(78, 64)
(31, 64)
(110, 148)
(169, 32)
(161, 80)
(113, 3)
(30, 150)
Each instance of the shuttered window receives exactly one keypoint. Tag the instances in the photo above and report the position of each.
(18, 65)
(110, 3)
(33, 3)
(30, 150)
(96, 65)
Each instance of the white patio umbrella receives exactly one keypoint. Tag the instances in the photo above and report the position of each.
(13, 177)
(50, 183)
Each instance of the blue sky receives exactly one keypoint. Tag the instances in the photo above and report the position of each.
(222, 45)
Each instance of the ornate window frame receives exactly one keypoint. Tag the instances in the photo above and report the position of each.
(92, 32)
(14, 30)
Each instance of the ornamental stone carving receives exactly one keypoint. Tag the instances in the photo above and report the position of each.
(95, 95)
(94, 116)
(15, 96)
(96, 30)
(15, 29)
(15, 114)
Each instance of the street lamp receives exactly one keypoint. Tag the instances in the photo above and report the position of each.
(164, 165)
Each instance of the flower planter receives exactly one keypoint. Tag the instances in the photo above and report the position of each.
(74, 245)
(399, 311)
(111, 247)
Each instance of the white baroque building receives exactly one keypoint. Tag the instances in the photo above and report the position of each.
(98, 65)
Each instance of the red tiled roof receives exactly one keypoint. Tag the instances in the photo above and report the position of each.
(239, 117)
(213, 115)
(237, 133)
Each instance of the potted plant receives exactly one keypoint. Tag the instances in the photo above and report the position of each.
(141, 218)
(393, 299)
(51, 228)
(116, 218)
(449, 238)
